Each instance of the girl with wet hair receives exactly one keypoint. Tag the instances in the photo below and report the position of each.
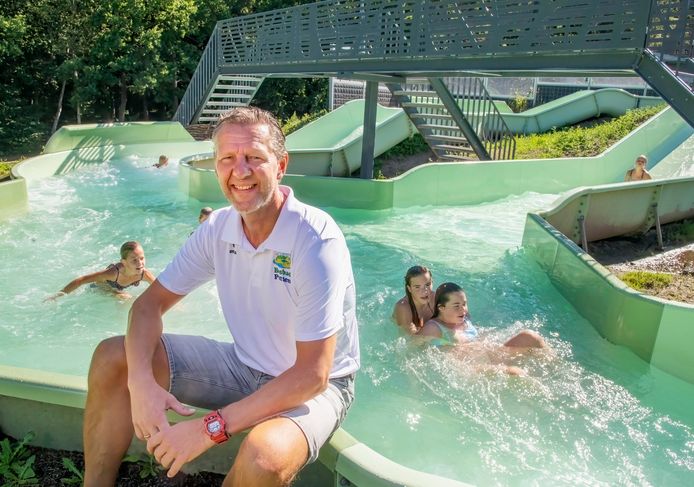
(417, 306)
(451, 324)
(115, 278)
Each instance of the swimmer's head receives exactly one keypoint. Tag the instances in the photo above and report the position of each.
(132, 255)
(450, 302)
(204, 213)
(642, 160)
(418, 288)
(418, 282)
(163, 160)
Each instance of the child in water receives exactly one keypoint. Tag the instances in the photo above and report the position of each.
(451, 325)
(116, 277)
(417, 306)
(163, 162)
(204, 214)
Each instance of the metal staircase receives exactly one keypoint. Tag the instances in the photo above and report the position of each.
(456, 116)
(226, 93)
(386, 41)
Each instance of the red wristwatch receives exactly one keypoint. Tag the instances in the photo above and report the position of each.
(215, 427)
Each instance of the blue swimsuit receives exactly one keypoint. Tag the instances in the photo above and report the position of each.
(454, 337)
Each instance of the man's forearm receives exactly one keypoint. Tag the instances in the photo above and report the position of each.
(283, 393)
(144, 331)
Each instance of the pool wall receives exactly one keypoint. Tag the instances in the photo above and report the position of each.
(52, 406)
(659, 331)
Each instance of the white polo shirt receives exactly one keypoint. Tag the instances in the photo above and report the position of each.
(296, 286)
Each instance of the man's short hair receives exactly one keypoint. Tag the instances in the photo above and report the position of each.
(255, 116)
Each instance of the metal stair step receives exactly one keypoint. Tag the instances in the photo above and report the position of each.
(446, 147)
(228, 95)
(448, 138)
(241, 99)
(434, 126)
(240, 86)
(252, 79)
(414, 104)
(441, 116)
(415, 93)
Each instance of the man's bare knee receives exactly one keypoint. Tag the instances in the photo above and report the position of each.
(108, 361)
(271, 454)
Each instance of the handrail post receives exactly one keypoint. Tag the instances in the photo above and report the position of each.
(658, 230)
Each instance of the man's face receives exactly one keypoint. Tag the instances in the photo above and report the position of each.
(247, 170)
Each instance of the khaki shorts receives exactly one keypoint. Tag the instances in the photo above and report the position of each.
(206, 373)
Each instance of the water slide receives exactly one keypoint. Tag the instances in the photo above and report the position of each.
(575, 108)
(332, 144)
(659, 331)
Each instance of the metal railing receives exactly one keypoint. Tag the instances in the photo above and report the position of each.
(202, 81)
(479, 109)
(391, 30)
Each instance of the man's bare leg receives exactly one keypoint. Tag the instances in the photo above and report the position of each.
(108, 428)
(271, 455)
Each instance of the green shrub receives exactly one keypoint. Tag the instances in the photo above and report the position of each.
(408, 147)
(646, 281)
(294, 123)
(519, 103)
(580, 141)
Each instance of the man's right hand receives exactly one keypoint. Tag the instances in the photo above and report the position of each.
(148, 405)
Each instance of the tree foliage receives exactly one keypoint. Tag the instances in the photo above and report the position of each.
(86, 61)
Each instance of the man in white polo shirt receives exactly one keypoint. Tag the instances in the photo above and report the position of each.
(285, 283)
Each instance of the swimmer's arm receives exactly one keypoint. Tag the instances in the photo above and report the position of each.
(402, 316)
(429, 333)
(304, 380)
(100, 276)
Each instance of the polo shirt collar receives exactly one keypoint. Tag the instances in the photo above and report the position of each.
(281, 238)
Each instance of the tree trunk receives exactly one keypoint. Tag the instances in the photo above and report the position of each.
(145, 108)
(60, 108)
(78, 107)
(123, 98)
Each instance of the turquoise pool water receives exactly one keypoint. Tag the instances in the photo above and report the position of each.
(589, 413)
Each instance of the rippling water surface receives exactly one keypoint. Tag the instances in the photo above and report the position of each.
(588, 413)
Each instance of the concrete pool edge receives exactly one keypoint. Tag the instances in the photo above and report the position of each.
(656, 330)
(30, 398)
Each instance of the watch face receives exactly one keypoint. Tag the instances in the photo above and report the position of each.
(214, 426)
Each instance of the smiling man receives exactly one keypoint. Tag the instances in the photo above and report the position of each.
(285, 284)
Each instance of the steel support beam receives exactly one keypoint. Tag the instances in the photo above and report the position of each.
(457, 114)
(525, 62)
(369, 130)
(667, 84)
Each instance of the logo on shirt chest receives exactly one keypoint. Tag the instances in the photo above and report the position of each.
(232, 249)
(282, 267)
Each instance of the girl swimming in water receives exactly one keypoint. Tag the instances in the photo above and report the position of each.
(417, 306)
(130, 271)
(451, 324)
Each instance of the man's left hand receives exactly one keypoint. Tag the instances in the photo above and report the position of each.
(177, 445)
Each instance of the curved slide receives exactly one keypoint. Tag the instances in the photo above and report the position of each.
(331, 145)
(575, 108)
(658, 331)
